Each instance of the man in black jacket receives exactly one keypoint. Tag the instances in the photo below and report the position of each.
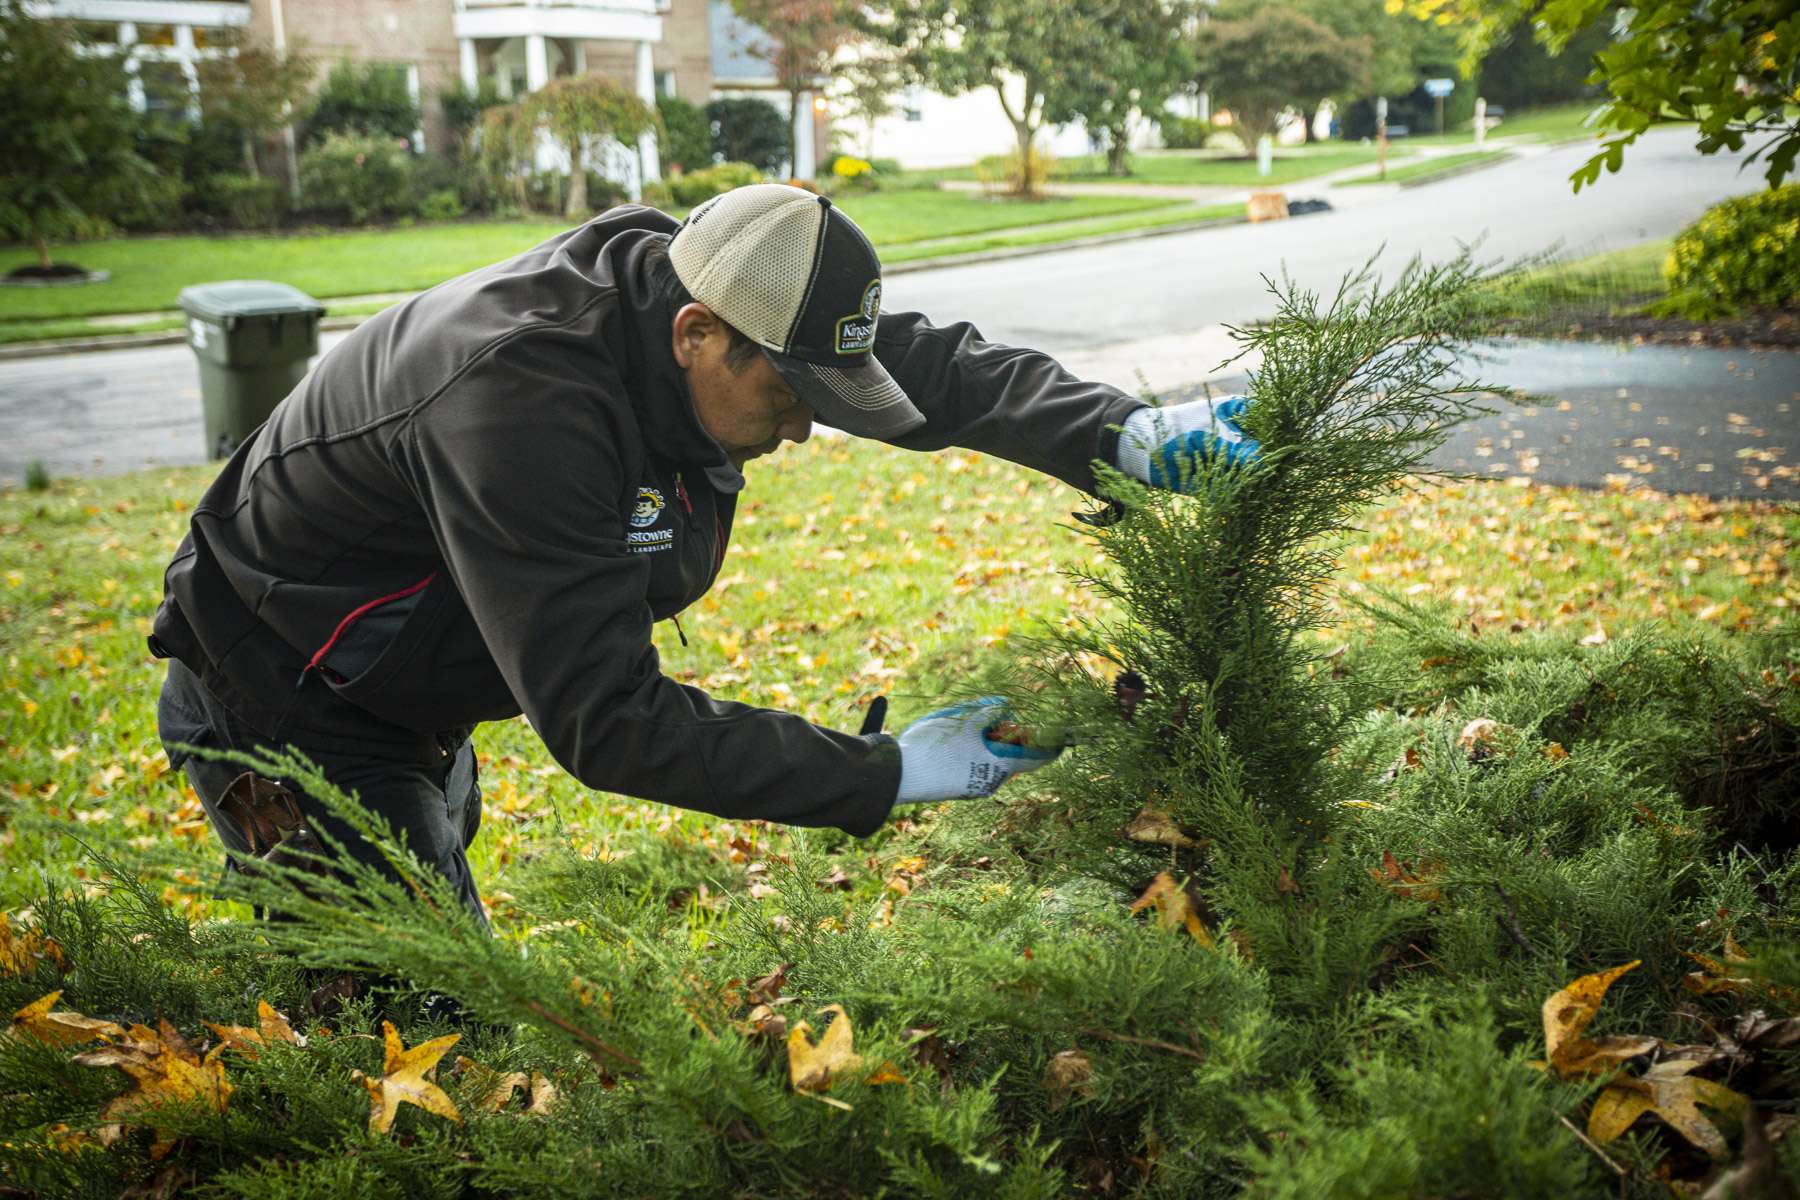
(480, 501)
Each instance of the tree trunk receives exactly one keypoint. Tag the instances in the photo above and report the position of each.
(1118, 148)
(249, 156)
(575, 206)
(1310, 114)
(43, 249)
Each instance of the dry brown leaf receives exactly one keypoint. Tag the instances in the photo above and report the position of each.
(403, 1079)
(1067, 1074)
(1174, 906)
(166, 1071)
(1479, 739)
(767, 989)
(1669, 1090)
(1407, 883)
(1154, 826)
(492, 1088)
(60, 1028)
(813, 1068)
(1566, 1018)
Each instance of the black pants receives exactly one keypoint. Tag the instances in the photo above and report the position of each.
(435, 808)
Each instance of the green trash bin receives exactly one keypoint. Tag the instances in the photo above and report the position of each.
(253, 340)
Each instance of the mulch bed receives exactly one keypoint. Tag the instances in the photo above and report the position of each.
(1774, 329)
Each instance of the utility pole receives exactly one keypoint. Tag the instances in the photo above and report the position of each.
(1381, 137)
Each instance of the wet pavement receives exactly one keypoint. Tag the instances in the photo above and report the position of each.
(1720, 423)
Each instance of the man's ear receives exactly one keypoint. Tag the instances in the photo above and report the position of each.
(693, 324)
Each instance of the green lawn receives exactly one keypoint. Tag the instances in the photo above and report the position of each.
(1206, 168)
(1616, 281)
(1551, 123)
(148, 273)
(1426, 168)
(1176, 214)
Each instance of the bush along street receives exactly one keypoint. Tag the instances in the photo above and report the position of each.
(1436, 911)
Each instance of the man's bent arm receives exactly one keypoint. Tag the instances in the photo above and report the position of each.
(519, 474)
(1016, 404)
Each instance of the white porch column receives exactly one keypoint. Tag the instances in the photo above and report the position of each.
(134, 83)
(537, 62)
(805, 157)
(649, 164)
(471, 70)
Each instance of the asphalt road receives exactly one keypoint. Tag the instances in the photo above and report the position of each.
(1109, 310)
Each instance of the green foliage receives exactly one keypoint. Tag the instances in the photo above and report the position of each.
(748, 130)
(244, 201)
(370, 99)
(462, 107)
(69, 158)
(37, 476)
(695, 186)
(1258, 57)
(1144, 58)
(1726, 65)
(1184, 133)
(254, 91)
(589, 116)
(1520, 72)
(357, 178)
(685, 143)
(800, 41)
(1741, 253)
(442, 205)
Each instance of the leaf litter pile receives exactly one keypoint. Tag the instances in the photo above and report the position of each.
(1446, 910)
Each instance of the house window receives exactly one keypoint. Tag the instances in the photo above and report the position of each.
(165, 87)
(156, 35)
(665, 83)
(98, 33)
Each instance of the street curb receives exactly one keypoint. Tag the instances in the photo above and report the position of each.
(1505, 156)
(175, 337)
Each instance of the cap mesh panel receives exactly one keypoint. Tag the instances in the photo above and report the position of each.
(749, 258)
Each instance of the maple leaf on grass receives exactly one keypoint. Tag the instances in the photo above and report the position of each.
(36, 1020)
(403, 1079)
(1567, 1015)
(20, 955)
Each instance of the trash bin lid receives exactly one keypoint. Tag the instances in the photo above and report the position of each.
(222, 302)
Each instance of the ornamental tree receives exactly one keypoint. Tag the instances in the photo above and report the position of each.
(254, 90)
(1259, 58)
(68, 156)
(1145, 58)
(801, 40)
(579, 113)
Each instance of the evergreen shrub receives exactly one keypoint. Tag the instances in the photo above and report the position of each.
(1275, 923)
(1184, 133)
(355, 178)
(748, 130)
(245, 201)
(1741, 253)
(368, 98)
(685, 139)
(696, 186)
(442, 205)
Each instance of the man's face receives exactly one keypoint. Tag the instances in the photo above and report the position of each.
(749, 411)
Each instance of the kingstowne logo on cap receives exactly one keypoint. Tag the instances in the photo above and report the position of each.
(856, 332)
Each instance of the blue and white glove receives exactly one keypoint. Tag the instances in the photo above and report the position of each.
(1157, 444)
(952, 754)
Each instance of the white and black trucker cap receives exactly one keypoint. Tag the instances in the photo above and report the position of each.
(796, 276)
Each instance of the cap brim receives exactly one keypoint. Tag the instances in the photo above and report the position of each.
(865, 401)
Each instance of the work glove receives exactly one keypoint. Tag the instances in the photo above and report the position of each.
(955, 753)
(1156, 445)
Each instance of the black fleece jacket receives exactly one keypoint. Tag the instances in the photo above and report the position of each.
(481, 499)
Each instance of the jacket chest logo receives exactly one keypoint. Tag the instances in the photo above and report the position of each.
(647, 512)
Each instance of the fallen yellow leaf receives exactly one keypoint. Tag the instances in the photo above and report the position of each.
(403, 1080)
(1566, 1018)
(20, 955)
(494, 1088)
(60, 1028)
(271, 1026)
(1174, 907)
(1669, 1091)
(813, 1068)
(166, 1071)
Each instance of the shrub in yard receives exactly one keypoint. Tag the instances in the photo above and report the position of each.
(441, 205)
(748, 131)
(1184, 133)
(695, 186)
(657, 194)
(685, 142)
(244, 201)
(1742, 253)
(370, 98)
(356, 178)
